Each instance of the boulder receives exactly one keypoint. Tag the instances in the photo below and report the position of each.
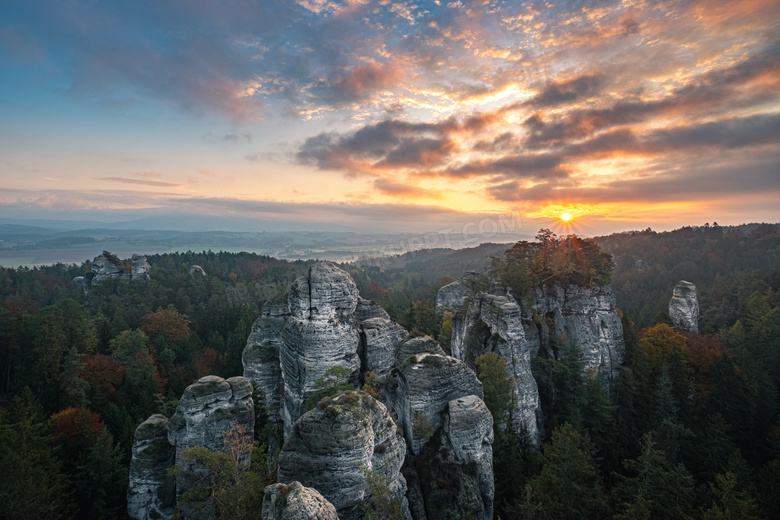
(330, 447)
(150, 492)
(684, 307)
(294, 501)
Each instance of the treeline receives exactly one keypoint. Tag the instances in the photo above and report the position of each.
(80, 370)
(727, 265)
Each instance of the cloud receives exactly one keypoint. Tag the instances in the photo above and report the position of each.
(402, 190)
(126, 180)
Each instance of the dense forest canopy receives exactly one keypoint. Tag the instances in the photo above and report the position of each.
(693, 430)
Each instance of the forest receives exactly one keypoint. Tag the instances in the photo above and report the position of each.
(692, 430)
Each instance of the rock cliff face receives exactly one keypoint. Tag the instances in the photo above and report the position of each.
(494, 324)
(208, 409)
(294, 501)
(519, 329)
(150, 492)
(455, 468)
(423, 384)
(328, 446)
(684, 307)
(261, 364)
(380, 338)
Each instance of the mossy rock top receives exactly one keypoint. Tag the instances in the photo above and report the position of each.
(155, 426)
(205, 386)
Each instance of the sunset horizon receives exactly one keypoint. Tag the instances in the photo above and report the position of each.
(392, 116)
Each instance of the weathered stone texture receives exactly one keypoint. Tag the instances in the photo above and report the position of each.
(294, 501)
(207, 410)
(150, 493)
(684, 307)
(329, 445)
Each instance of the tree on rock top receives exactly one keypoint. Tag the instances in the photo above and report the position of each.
(553, 261)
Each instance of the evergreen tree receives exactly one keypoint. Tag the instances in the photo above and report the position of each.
(568, 486)
(655, 484)
(32, 483)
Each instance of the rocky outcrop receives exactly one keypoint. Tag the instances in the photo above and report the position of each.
(422, 386)
(261, 364)
(207, 410)
(150, 493)
(319, 334)
(453, 296)
(366, 309)
(294, 501)
(455, 468)
(380, 338)
(518, 329)
(494, 324)
(684, 307)
(105, 267)
(435, 399)
(139, 268)
(332, 446)
(108, 266)
(196, 269)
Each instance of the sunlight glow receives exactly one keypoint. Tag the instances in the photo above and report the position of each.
(566, 217)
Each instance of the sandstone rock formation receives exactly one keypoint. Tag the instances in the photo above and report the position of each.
(520, 328)
(435, 400)
(380, 338)
(150, 493)
(684, 307)
(208, 409)
(423, 384)
(294, 501)
(139, 268)
(328, 446)
(261, 364)
(107, 266)
(494, 324)
(196, 269)
(366, 309)
(319, 334)
(455, 468)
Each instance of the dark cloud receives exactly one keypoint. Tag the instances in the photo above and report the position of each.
(568, 91)
(390, 143)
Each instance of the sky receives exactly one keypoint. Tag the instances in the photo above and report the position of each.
(392, 115)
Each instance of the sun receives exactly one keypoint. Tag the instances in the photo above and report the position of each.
(566, 217)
